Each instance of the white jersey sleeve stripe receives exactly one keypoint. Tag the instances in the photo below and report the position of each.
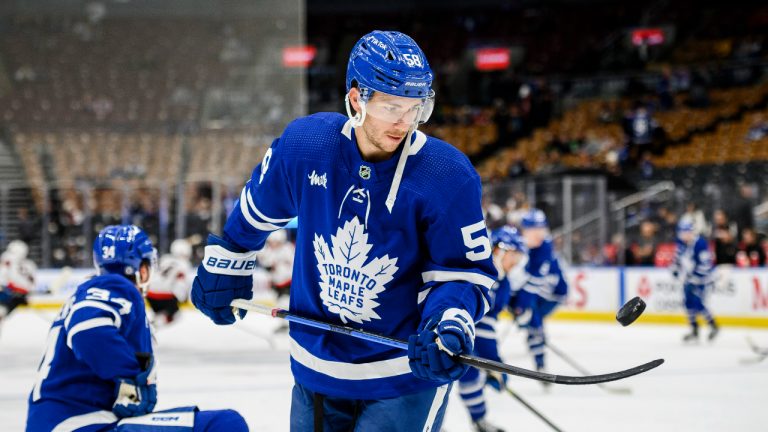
(423, 295)
(261, 226)
(87, 325)
(350, 371)
(93, 418)
(92, 304)
(485, 334)
(260, 214)
(449, 276)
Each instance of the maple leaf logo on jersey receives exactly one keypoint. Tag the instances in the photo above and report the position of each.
(349, 286)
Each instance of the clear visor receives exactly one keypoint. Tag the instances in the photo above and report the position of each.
(397, 109)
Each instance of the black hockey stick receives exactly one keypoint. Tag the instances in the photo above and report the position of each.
(566, 358)
(470, 360)
(762, 353)
(532, 409)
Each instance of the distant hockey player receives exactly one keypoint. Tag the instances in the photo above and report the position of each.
(693, 267)
(98, 370)
(544, 287)
(171, 285)
(509, 255)
(391, 240)
(17, 277)
(277, 259)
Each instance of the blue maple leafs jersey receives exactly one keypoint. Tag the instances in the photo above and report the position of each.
(544, 273)
(358, 264)
(693, 263)
(92, 341)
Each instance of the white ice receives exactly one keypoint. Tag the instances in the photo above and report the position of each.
(703, 387)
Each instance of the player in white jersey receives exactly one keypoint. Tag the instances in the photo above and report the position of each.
(17, 277)
(277, 259)
(171, 285)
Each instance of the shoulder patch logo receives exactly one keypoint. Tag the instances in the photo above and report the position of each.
(318, 180)
(350, 283)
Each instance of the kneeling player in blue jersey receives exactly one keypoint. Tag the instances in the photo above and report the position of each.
(509, 255)
(98, 370)
(391, 240)
(545, 286)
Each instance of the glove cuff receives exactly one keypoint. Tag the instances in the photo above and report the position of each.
(220, 259)
(458, 320)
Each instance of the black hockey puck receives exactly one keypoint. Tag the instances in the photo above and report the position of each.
(630, 311)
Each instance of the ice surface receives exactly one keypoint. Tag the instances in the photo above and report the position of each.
(702, 387)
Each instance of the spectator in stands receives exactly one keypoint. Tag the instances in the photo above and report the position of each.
(517, 166)
(758, 130)
(752, 247)
(664, 90)
(552, 163)
(29, 227)
(609, 112)
(493, 214)
(645, 249)
(743, 214)
(641, 130)
(698, 95)
(724, 236)
(666, 221)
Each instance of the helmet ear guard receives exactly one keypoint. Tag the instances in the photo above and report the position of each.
(357, 118)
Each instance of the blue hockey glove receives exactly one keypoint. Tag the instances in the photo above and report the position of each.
(224, 275)
(137, 396)
(442, 336)
(496, 380)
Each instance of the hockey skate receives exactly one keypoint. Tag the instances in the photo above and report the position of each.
(482, 425)
(715, 329)
(547, 385)
(693, 336)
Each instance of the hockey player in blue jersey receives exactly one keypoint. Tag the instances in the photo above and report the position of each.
(509, 256)
(98, 370)
(693, 266)
(544, 287)
(391, 239)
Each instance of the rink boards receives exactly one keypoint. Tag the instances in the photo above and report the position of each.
(738, 296)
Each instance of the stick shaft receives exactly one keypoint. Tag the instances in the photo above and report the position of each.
(532, 409)
(470, 360)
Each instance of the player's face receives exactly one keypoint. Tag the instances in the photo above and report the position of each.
(387, 121)
(534, 237)
(507, 259)
(686, 236)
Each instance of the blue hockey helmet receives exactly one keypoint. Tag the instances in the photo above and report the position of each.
(508, 238)
(120, 249)
(391, 62)
(685, 226)
(534, 218)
